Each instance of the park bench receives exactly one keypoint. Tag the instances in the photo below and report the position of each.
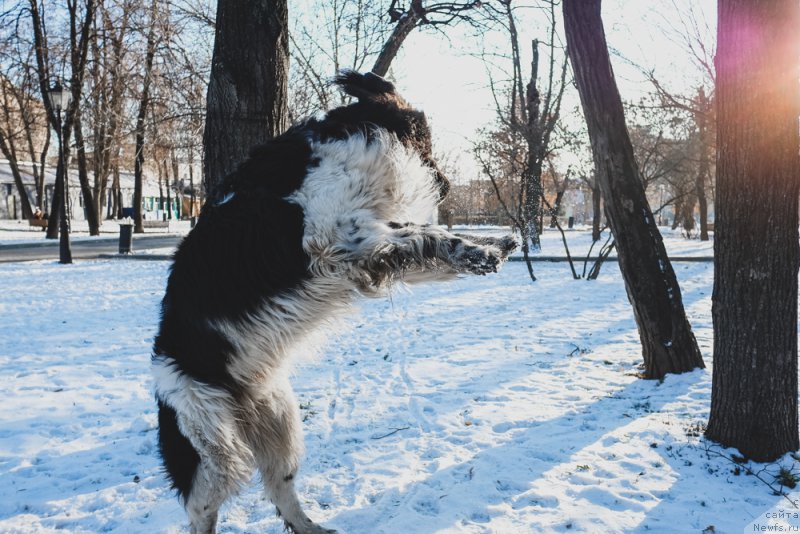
(39, 223)
(154, 224)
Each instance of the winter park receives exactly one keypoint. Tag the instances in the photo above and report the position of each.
(510, 266)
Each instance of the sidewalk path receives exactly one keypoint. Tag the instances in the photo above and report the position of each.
(85, 248)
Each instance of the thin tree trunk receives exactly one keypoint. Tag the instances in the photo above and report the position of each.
(247, 91)
(160, 190)
(668, 344)
(169, 194)
(25, 202)
(754, 387)
(191, 183)
(39, 172)
(688, 215)
(117, 194)
(55, 203)
(533, 137)
(83, 177)
(678, 211)
(596, 213)
(703, 170)
(144, 102)
(556, 209)
(176, 184)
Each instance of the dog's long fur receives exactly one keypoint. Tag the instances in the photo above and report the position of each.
(332, 209)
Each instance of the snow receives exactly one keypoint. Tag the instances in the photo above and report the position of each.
(486, 404)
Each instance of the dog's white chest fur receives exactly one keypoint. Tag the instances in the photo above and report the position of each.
(357, 186)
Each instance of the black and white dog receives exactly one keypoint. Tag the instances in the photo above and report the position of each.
(332, 209)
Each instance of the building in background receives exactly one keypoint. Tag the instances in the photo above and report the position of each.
(172, 201)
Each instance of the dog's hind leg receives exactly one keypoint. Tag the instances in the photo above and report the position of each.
(274, 431)
(216, 465)
(220, 475)
(205, 499)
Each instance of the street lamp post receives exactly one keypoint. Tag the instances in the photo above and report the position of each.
(60, 98)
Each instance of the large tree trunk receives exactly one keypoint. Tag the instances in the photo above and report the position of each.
(754, 388)
(668, 344)
(404, 26)
(247, 91)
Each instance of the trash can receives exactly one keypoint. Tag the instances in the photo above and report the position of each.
(125, 238)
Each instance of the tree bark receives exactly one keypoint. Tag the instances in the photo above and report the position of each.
(247, 91)
(754, 388)
(668, 344)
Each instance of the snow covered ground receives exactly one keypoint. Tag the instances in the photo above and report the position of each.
(484, 405)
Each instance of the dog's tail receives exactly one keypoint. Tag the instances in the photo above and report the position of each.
(179, 457)
(367, 86)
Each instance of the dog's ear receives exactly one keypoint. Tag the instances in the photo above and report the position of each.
(366, 86)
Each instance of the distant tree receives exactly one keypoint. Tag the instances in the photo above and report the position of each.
(668, 344)
(110, 74)
(518, 149)
(80, 24)
(754, 388)
(700, 107)
(247, 93)
(144, 102)
(690, 32)
(326, 37)
(665, 144)
(18, 119)
(24, 129)
(78, 58)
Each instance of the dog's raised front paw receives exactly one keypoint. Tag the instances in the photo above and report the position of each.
(477, 259)
(507, 244)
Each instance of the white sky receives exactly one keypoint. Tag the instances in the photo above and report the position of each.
(449, 83)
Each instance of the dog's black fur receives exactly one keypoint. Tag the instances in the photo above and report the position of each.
(250, 279)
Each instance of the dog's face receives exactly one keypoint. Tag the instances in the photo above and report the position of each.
(379, 104)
